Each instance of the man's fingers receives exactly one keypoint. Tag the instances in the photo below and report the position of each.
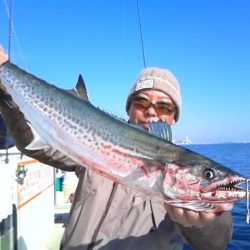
(189, 218)
(3, 56)
(177, 215)
(207, 216)
(194, 218)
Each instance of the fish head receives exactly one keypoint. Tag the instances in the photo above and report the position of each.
(219, 184)
(203, 185)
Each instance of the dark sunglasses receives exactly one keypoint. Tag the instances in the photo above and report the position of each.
(161, 108)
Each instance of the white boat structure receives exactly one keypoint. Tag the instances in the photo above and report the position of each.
(27, 189)
(31, 201)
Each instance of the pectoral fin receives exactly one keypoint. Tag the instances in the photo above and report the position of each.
(37, 143)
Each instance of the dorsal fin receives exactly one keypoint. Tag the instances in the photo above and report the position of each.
(160, 129)
(81, 88)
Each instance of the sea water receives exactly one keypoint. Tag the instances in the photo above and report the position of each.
(235, 156)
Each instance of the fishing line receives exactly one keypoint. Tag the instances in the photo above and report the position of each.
(248, 209)
(9, 14)
(141, 36)
(11, 28)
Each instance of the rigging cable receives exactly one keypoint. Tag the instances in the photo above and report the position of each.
(140, 26)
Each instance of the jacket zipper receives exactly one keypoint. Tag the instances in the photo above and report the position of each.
(93, 239)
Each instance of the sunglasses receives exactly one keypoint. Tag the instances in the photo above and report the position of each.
(161, 108)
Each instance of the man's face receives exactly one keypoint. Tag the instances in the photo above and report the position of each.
(151, 106)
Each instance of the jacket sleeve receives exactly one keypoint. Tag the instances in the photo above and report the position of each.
(22, 135)
(215, 235)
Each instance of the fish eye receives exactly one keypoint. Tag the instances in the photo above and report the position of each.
(209, 174)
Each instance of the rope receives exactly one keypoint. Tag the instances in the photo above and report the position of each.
(140, 26)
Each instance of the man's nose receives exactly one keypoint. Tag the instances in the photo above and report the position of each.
(151, 111)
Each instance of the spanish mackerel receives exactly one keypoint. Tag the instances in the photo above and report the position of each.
(118, 150)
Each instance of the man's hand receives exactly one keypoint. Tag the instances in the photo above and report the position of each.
(189, 218)
(3, 56)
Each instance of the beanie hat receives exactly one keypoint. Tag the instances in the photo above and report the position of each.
(158, 79)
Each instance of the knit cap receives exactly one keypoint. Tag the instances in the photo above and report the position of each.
(158, 79)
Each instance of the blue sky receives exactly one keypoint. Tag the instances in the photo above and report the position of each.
(205, 43)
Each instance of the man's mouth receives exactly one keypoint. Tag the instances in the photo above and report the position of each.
(144, 125)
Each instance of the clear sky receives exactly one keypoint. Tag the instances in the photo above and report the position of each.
(205, 43)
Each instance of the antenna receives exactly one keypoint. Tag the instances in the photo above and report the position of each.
(142, 46)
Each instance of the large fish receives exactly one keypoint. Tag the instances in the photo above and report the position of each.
(118, 150)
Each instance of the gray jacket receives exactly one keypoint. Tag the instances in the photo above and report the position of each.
(106, 215)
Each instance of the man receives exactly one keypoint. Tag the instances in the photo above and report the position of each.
(106, 215)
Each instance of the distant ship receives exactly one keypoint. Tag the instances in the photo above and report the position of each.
(185, 141)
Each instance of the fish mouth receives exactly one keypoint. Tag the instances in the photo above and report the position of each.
(229, 190)
(235, 185)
